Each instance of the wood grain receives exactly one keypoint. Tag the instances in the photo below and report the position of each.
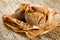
(9, 7)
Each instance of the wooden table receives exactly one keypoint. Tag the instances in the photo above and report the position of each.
(9, 6)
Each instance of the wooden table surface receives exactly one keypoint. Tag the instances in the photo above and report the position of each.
(9, 6)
